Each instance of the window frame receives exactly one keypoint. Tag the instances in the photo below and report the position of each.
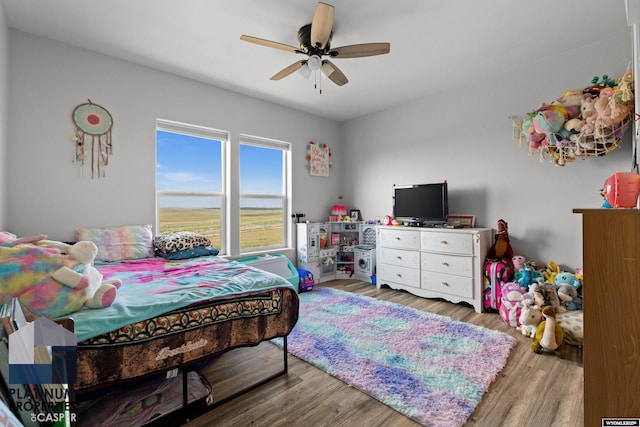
(284, 197)
(206, 133)
(230, 196)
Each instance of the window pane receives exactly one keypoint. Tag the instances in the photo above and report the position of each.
(188, 163)
(261, 218)
(196, 214)
(261, 223)
(261, 170)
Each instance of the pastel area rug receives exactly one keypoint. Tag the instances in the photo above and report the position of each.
(428, 367)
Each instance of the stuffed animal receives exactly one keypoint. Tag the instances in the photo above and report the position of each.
(529, 131)
(589, 114)
(625, 87)
(544, 294)
(53, 279)
(501, 248)
(549, 335)
(568, 285)
(526, 276)
(610, 111)
(511, 303)
(530, 318)
(518, 262)
(571, 102)
(551, 272)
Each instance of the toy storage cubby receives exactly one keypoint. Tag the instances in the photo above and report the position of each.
(344, 237)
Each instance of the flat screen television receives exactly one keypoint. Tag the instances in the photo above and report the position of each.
(423, 204)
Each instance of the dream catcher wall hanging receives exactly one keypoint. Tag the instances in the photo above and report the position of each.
(93, 137)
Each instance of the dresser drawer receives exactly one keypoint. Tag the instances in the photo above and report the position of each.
(447, 264)
(399, 257)
(399, 238)
(447, 284)
(402, 275)
(453, 243)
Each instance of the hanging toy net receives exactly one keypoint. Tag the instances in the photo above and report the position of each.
(581, 123)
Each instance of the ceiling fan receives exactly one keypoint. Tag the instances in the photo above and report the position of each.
(315, 43)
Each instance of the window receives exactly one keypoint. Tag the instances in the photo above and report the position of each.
(264, 193)
(190, 180)
(241, 209)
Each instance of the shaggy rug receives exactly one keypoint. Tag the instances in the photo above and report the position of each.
(428, 367)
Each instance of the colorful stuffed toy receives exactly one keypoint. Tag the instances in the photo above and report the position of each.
(526, 276)
(549, 335)
(511, 303)
(568, 286)
(52, 278)
(551, 272)
(501, 248)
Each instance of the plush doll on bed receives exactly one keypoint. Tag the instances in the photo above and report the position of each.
(52, 278)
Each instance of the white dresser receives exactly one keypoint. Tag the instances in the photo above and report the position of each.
(433, 262)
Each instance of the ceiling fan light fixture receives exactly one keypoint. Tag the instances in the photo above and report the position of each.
(305, 71)
(314, 63)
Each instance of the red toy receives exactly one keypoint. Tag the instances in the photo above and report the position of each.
(621, 189)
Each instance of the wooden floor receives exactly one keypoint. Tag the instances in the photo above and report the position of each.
(532, 390)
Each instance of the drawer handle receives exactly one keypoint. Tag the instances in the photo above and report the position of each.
(397, 238)
(446, 264)
(398, 274)
(398, 257)
(444, 242)
(445, 284)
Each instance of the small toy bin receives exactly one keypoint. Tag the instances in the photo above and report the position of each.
(306, 280)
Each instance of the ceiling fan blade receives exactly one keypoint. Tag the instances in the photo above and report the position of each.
(269, 43)
(321, 25)
(290, 69)
(333, 73)
(360, 50)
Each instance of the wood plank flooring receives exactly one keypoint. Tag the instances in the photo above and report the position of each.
(532, 389)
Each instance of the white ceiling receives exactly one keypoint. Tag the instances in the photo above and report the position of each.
(435, 44)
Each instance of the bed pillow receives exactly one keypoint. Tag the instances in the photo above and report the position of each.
(179, 241)
(119, 243)
(188, 253)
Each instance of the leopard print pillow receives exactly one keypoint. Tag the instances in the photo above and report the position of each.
(179, 241)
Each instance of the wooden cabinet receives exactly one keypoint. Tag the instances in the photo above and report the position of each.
(611, 264)
(434, 262)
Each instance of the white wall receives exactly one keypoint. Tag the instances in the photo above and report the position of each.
(465, 136)
(4, 89)
(461, 135)
(48, 79)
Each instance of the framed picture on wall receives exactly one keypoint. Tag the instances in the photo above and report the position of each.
(355, 215)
